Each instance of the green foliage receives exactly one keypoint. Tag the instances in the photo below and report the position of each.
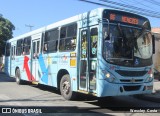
(6, 32)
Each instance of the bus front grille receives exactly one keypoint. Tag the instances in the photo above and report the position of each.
(131, 88)
(131, 80)
(131, 73)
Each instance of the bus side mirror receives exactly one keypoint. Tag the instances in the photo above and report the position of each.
(153, 44)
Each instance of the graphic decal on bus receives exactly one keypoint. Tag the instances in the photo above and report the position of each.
(64, 60)
(26, 67)
(43, 69)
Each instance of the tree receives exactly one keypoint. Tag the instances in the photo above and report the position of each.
(6, 32)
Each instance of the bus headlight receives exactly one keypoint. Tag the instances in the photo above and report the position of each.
(108, 75)
(110, 78)
(151, 75)
(150, 78)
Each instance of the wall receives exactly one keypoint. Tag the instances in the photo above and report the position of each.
(156, 56)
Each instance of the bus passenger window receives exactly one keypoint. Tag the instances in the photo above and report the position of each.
(8, 46)
(68, 37)
(38, 51)
(26, 45)
(51, 41)
(63, 32)
(62, 45)
(19, 48)
(45, 48)
(73, 43)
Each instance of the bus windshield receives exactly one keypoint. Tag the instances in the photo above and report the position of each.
(127, 46)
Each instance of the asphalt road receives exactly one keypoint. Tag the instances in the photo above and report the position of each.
(48, 99)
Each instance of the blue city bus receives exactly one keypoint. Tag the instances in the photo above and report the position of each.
(102, 52)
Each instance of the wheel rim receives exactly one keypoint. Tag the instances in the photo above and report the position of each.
(17, 79)
(66, 87)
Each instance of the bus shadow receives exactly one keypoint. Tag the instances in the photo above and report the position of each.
(111, 103)
(47, 88)
(5, 78)
(79, 96)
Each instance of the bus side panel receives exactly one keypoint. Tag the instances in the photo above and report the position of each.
(20, 64)
(51, 64)
(52, 69)
(7, 65)
(48, 69)
(64, 62)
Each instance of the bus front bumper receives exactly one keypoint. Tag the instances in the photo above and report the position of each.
(117, 89)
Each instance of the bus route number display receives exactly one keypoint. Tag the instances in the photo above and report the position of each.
(124, 19)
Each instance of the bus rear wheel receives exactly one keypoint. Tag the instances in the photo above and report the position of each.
(65, 88)
(18, 77)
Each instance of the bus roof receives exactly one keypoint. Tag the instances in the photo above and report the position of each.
(91, 13)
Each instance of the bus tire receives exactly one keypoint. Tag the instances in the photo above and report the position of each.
(65, 88)
(18, 77)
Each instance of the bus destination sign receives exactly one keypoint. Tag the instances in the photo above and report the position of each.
(124, 19)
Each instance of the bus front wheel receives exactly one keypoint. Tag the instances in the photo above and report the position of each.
(65, 88)
(18, 77)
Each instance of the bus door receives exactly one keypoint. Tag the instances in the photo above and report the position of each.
(93, 43)
(12, 59)
(83, 65)
(36, 43)
(88, 59)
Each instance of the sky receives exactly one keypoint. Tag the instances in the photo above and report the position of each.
(39, 13)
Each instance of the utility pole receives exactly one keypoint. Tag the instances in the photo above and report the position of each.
(30, 27)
